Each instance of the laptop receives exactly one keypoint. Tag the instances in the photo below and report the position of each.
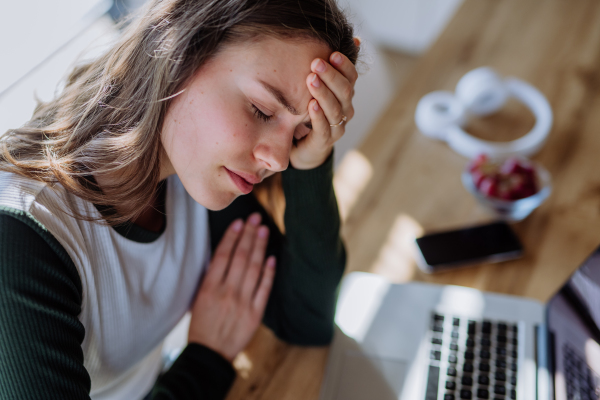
(422, 341)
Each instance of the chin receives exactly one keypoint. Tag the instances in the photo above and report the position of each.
(212, 197)
(218, 203)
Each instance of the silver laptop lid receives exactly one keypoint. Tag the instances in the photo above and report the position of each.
(573, 320)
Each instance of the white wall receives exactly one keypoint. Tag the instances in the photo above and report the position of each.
(405, 25)
(39, 48)
(373, 91)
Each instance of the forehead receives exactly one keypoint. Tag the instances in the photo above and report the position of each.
(284, 64)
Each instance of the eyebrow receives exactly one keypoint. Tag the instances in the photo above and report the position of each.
(280, 97)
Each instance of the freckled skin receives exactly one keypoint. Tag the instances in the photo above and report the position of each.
(217, 104)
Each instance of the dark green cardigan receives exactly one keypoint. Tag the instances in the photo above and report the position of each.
(41, 295)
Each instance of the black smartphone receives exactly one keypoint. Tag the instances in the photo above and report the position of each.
(484, 243)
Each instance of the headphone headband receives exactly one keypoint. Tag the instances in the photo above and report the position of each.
(443, 114)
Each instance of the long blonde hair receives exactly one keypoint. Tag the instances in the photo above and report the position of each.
(107, 119)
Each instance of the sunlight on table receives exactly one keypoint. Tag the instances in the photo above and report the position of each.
(397, 257)
(243, 365)
(351, 178)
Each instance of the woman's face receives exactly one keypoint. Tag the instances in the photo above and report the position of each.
(235, 122)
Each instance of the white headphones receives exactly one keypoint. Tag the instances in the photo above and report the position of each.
(443, 114)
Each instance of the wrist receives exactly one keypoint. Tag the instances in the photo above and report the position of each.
(194, 340)
(312, 162)
(225, 356)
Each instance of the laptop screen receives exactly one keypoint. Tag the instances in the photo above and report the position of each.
(574, 327)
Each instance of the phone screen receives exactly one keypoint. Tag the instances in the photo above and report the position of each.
(493, 242)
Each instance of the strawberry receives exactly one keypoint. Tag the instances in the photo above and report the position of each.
(477, 162)
(514, 179)
(510, 166)
(477, 176)
(504, 191)
(489, 186)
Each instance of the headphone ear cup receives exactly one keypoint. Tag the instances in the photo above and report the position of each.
(482, 91)
(437, 111)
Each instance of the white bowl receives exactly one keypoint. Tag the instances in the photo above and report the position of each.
(512, 210)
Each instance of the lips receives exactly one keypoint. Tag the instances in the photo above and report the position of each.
(251, 179)
(242, 183)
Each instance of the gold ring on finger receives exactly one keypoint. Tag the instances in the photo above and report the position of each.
(344, 118)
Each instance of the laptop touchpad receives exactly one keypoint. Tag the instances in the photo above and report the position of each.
(370, 377)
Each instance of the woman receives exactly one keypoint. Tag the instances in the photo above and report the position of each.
(105, 237)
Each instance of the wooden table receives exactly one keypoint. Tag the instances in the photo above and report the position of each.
(412, 183)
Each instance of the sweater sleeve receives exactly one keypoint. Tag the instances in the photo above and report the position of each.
(41, 336)
(40, 298)
(310, 257)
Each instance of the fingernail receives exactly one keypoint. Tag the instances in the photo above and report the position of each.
(315, 81)
(336, 59)
(237, 225)
(271, 262)
(319, 66)
(254, 219)
(316, 105)
(263, 231)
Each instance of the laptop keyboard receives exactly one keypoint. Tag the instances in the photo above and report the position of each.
(472, 359)
(582, 382)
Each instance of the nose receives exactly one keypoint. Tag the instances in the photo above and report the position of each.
(274, 152)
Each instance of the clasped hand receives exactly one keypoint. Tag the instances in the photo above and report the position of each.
(231, 300)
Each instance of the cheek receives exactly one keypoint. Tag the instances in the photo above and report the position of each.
(228, 141)
(207, 133)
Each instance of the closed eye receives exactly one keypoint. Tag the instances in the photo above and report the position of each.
(261, 115)
(266, 118)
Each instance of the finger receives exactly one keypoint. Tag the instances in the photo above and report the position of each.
(357, 41)
(242, 252)
(252, 275)
(222, 255)
(327, 100)
(322, 134)
(344, 66)
(266, 283)
(334, 80)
